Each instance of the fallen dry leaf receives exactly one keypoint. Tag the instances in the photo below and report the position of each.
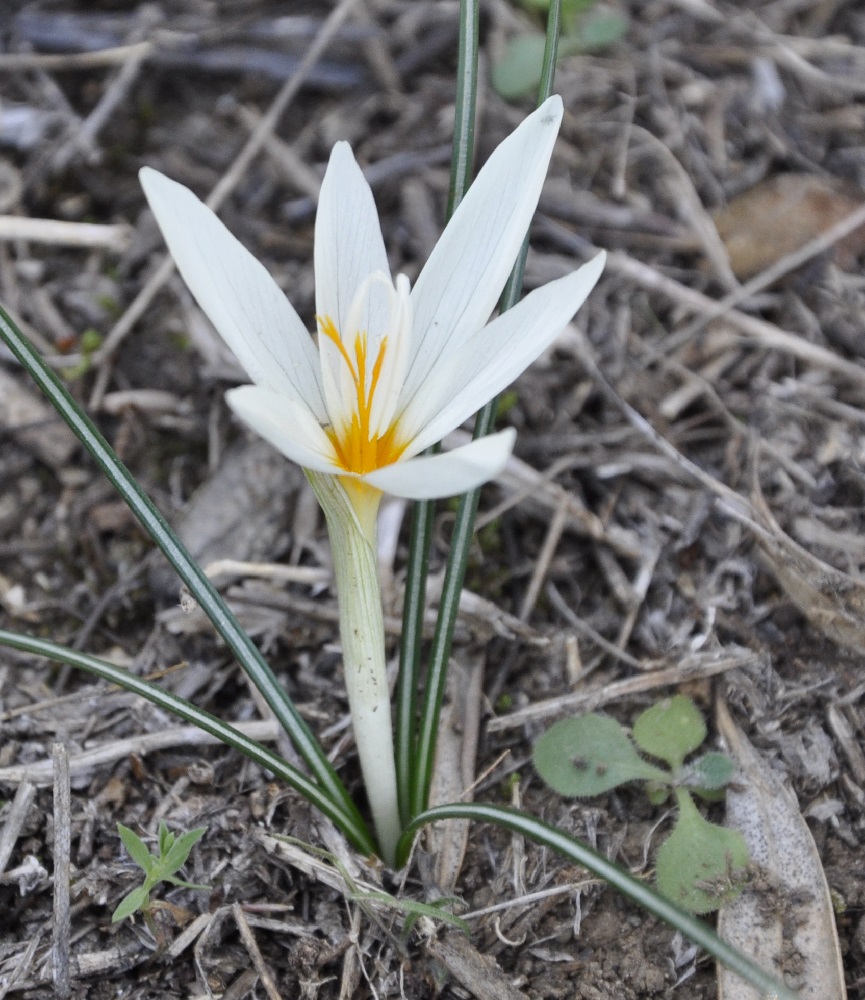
(781, 214)
(833, 601)
(454, 769)
(789, 928)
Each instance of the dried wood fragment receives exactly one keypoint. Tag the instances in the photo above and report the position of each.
(33, 422)
(796, 936)
(239, 513)
(833, 601)
(479, 974)
(15, 818)
(60, 944)
(454, 769)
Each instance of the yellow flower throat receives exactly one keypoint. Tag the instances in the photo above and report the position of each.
(357, 449)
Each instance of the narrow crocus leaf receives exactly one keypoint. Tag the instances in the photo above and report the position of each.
(349, 822)
(327, 787)
(635, 889)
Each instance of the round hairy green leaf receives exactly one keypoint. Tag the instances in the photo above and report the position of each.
(590, 755)
(519, 70)
(599, 30)
(670, 729)
(700, 865)
(710, 773)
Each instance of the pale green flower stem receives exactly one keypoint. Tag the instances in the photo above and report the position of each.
(351, 524)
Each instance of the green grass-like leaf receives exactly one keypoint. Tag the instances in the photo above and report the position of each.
(420, 745)
(644, 895)
(223, 731)
(137, 848)
(200, 587)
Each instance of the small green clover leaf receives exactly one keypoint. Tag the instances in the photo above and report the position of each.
(700, 865)
(173, 854)
(670, 730)
(590, 755)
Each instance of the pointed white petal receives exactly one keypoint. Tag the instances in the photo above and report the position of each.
(241, 299)
(286, 424)
(466, 272)
(490, 360)
(348, 246)
(447, 474)
(394, 357)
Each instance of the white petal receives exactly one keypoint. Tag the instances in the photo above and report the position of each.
(286, 424)
(391, 378)
(447, 474)
(348, 245)
(489, 361)
(243, 302)
(466, 272)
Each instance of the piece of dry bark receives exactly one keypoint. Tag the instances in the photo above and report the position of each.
(781, 214)
(454, 769)
(479, 974)
(238, 513)
(34, 422)
(833, 601)
(795, 936)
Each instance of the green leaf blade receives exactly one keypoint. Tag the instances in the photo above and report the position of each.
(700, 865)
(179, 851)
(590, 755)
(136, 848)
(670, 729)
(131, 903)
(710, 773)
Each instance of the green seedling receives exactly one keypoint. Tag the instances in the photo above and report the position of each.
(91, 341)
(585, 28)
(173, 854)
(700, 865)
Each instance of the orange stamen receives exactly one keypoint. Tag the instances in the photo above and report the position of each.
(357, 449)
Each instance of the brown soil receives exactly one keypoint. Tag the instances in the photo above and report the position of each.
(695, 105)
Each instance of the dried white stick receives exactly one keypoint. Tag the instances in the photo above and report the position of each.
(62, 847)
(88, 235)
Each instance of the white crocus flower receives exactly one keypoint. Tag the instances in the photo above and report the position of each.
(395, 369)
